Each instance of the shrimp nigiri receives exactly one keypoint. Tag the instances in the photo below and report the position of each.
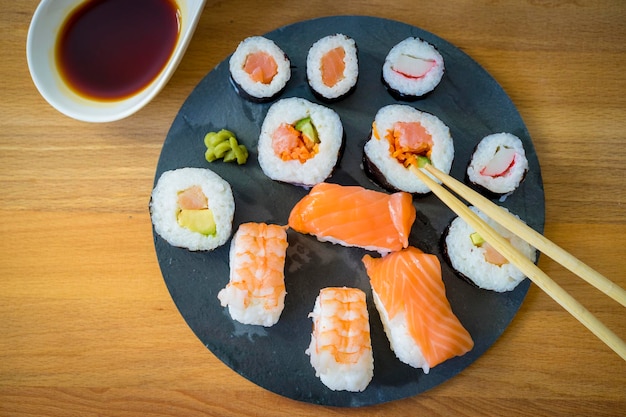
(341, 348)
(256, 291)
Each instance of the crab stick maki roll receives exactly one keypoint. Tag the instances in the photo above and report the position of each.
(498, 164)
(259, 69)
(355, 216)
(300, 142)
(341, 348)
(412, 69)
(477, 261)
(402, 136)
(255, 293)
(192, 208)
(332, 67)
(418, 320)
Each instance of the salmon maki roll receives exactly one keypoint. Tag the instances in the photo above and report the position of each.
(341, 348)
(259, 69)
(256, 291)
(410, 297)
(332, 67)
(355, 216)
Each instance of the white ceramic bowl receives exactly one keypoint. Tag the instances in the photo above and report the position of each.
(42, 34)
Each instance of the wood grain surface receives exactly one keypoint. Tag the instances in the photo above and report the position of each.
(88, 328)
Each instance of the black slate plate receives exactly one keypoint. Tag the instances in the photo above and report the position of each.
(468, 100)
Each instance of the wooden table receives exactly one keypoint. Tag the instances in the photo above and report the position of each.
(88, 327)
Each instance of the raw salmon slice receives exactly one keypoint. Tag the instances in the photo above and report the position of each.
(261, 67)
(192, 199)
(410, 296)
(333, 66)
(355, 216)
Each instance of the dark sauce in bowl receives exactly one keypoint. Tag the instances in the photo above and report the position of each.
(109, 50)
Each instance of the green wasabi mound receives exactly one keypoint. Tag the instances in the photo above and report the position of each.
(223, 145)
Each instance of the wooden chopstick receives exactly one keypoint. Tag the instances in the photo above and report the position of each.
(542, 280)
(531, 236)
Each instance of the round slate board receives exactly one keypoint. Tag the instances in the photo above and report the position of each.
(468, 100)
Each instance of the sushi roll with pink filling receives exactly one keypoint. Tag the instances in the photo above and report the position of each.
(498, 164)
(412, 69)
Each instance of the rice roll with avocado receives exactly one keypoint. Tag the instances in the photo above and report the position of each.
(477, 261)
(498, 164)
(192, 208)
(403, 136)
(332, 67)
(300, 142)
(412, 69)
(259, 69)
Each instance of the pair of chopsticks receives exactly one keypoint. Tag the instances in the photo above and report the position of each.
(536, 240)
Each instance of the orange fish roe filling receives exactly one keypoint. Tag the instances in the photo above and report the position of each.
(291, 144)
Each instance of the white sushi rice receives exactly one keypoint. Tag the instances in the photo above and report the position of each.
(354, 377)
(469, 259)
(485, 151)
(330, 133)
(400, 339)
(314, 70)
(415, 87)
(259, 90)
(377, 150)
(164, 207)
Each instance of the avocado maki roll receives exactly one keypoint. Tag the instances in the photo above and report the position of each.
(192, 208)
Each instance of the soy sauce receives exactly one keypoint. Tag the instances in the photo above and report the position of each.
(111, 49)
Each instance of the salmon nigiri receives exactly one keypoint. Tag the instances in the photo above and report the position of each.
(355, 216)
(341, 348)
(256, 291)
(410, 296)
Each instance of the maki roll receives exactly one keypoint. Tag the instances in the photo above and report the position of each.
(403, 136)
(300, 142)
(412, 69)
(192, 208)
(477, 261)
(341, 347)
(255, 293)
(259, 69)
(332, 67)
(498, 164)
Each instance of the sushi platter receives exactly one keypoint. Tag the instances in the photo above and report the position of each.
(468, 100)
